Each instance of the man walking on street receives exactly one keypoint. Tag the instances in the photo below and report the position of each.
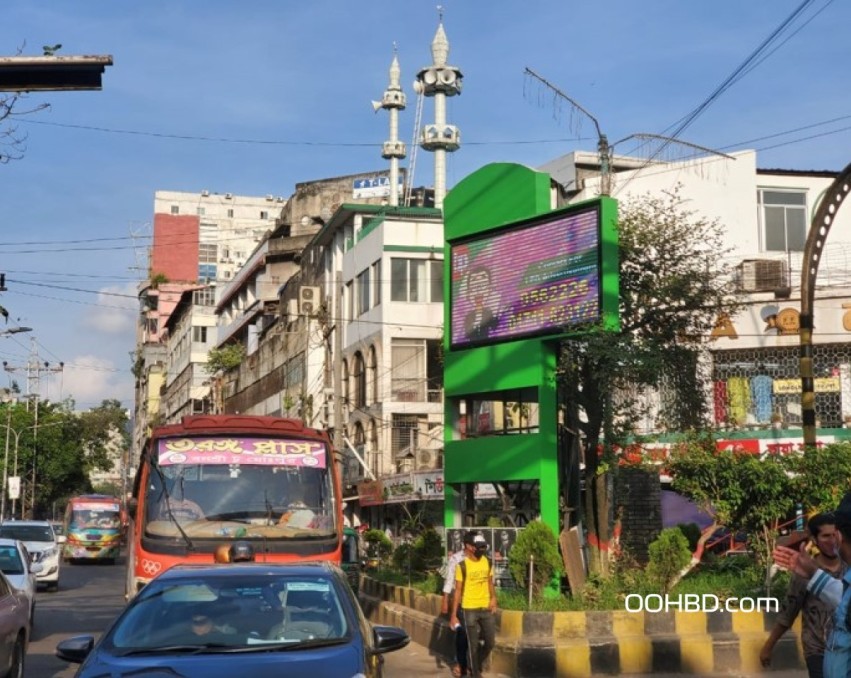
(460, 666)
(475, 600)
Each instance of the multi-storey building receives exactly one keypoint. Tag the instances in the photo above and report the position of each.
(753, 364)
(199, 239)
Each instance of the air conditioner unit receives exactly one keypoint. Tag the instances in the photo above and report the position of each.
(425, 459)
(308, 300)
(762, 275)
(205, 194)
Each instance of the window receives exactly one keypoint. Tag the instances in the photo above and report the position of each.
(363, 291)
(436, 277)
(230, 214)
(207, 253)
(204, 297)
(359, 379)
(264, 214)
(199, 334)
(416, 280)
(200, 211)
(408, 370)
(404, 435)
(175, 209)
(349, 301)
(376, 277)
(784, 220)
(372, 374)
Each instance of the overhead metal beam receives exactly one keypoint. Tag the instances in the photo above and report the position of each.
(52, 73)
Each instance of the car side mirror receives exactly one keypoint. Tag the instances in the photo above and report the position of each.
(76, 649)
(388, 639)
(36, 568)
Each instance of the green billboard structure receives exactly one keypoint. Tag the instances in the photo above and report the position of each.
(519, 276)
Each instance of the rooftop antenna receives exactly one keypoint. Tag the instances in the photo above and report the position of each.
(605, 150)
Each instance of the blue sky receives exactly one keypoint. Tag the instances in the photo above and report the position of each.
(299, 76)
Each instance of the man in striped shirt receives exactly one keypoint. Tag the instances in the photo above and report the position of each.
(835, 593)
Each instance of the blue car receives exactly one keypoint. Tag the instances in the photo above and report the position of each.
(252, 619)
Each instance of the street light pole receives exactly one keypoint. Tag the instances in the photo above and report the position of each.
(6, 463)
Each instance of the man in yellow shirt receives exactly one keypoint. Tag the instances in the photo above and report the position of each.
(475, 598)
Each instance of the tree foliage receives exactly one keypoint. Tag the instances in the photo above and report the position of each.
(821, 476)
(225, 358)
(673, 285)
(746, 493)
(62, 447)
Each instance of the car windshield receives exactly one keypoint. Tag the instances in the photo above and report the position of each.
(10, 560)
(27, 532)
(251, 611)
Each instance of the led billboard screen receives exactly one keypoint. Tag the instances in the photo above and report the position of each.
(536, 278)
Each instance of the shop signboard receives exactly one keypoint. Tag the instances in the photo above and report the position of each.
(371, 493)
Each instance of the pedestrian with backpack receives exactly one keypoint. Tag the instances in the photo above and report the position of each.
(475, 601)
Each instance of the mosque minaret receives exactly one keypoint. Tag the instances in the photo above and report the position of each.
(440, 80)
(393, 149)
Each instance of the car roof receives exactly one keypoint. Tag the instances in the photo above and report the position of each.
(38, 523)
(6, 541)
(187, 571)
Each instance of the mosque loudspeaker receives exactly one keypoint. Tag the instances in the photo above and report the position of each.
(430, 76)
(376, 106)
(447, 76)
(308, 300)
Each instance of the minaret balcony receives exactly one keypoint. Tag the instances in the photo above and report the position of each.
(445, 80)
(393, 98)
(393, 149)
(440, 137)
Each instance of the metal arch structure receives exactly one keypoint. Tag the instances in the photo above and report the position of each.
(819, 228)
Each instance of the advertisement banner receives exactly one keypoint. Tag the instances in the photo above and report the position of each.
(252, 451)
(14, 487)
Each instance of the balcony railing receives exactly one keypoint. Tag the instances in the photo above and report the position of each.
(414, 391)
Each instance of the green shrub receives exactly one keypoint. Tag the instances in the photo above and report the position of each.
(691, 531)
(669, 554)
(428, 548)
(378, 544)
(421, 555)
(538, 540)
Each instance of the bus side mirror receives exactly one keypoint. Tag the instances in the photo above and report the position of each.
(132, 505)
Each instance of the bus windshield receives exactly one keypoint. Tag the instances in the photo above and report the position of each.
(97, 518)
(242, 488)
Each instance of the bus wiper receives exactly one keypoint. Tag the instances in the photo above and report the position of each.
(180, 529)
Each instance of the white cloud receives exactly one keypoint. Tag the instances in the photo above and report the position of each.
(89, 380)
(116, 314)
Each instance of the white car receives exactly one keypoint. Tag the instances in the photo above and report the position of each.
(42, 544)
(15, 564)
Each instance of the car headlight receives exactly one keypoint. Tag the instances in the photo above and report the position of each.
(50, 553)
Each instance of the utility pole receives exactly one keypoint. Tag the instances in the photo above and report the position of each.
(338, 365)
(34, 369)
